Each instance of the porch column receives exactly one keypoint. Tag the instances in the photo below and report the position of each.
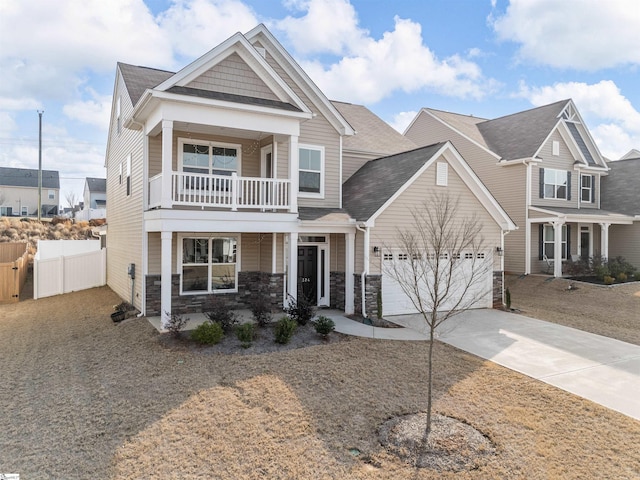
(604, 240)
(167, 152)
(294, 175)
(292, 268)
(349, 270)
(557, 248)
(165, 278)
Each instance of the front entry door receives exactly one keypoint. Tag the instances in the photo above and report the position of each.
(584, 243)
(308, 273)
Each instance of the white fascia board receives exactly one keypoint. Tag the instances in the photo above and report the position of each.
(306, 84)
(306, 226)
(518, 161)
(177, 220)
(490, 152)
(566, 135)
(617, 219)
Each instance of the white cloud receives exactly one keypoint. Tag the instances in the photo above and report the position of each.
(7, 123)
(581, 34)
(196, 26)
(328, 26)
(96, 111)
(612, 120)
(398, 61)
(402, 120)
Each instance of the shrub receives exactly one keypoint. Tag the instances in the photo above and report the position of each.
(176, 323)
(284, 330)
(300, 310)
(218, 311)
(608, 280)
(507, 295)
(261, 308)
(324, 326)
(246, 334)
(621, 277)
(208, 333)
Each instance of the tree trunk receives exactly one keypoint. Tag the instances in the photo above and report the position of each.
(429, 383)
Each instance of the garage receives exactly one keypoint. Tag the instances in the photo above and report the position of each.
(396, 302)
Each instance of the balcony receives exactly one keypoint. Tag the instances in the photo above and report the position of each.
(223, 191)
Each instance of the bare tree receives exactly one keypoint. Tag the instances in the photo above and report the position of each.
(72, 199)
(442, 268)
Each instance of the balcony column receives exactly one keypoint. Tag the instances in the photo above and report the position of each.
(165, 278)
(604, 240)
(167, 164)
(293, 173)
(292, 268)
(557, 248)
(349, 270)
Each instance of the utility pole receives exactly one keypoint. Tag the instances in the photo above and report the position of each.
(40, 112)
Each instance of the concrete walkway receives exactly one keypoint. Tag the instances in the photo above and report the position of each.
(600, 369)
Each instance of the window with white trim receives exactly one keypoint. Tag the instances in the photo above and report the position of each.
(209, 264)
(311, 171)
(24, 210)
(586, 188)
(555, 183)
(128, 180)
(6, 211)
(51, 194)
(209, 158)
(548, 239)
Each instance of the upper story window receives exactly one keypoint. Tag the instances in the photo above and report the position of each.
(587, 188)
(209, 158)
(311, 171)
(555, 184)
(129, 175)
(52, 194)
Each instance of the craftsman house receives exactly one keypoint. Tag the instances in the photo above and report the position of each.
(544, 169)
(237, 173)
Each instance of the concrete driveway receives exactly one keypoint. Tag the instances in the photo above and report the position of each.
(600, 369)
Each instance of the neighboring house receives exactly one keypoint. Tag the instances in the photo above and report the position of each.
(546, 171)
(633, 153)
(621, 193)
(19, 192)
(95, 199)
(227, 177)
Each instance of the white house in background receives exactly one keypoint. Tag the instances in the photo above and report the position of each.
(19, 192)
(230, 174)
(94, 199)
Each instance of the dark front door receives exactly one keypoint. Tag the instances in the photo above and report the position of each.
(308, 273)
(584, 244)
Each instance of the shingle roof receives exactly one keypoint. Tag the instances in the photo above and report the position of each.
(138, 79)
(521, 134)
(378, 180)
(580, 142)
(373, 135)
(97, 185)
(465, 124)
(620, 188)
(316, 213)
(230, 97)
(27, 177)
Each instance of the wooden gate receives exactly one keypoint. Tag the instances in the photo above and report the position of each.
(13, 270)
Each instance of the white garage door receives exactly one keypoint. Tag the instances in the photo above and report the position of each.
(396, 302)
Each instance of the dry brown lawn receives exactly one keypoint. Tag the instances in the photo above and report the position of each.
(83, 398)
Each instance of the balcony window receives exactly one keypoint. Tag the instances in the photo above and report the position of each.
(209, 158)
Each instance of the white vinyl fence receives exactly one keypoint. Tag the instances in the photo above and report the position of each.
(63, 266)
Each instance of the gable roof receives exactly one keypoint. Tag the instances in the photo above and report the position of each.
(367, 190)
(633, 153)
(137, 79)
(465, 124)
(372, 134)
(521, 134)
(620, 188)
(97, 185)
(28, 177)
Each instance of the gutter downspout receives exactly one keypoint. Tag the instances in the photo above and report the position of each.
(365, 272)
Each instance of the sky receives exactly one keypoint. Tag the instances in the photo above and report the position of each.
(486, 58)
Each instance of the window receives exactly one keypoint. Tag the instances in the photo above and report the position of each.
(129, 175)
(6, 211)
(555, 184)
(52, 194)
(209, 265)
(548, 242)
(311, 169)
(120, 174)
(209, 158)
(24, 210)
(587, 189)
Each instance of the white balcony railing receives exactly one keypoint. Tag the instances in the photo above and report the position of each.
(222, 191)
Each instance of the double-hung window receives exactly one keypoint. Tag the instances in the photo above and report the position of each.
(587, 188)
(209, 264)
(548, 241)
(555, 183)
(311, 171)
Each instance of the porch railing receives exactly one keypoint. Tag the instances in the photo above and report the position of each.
(222, 191)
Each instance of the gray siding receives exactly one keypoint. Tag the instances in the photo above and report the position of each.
(624, 241)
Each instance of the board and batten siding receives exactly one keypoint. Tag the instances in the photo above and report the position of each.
(125, 213)
(506, 184)
(398, 216)
(232, 75)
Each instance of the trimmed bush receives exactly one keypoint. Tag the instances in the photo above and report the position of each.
(246, 333)
(261, 308)
(284, 330)
(208, 333)
(324, 326)
(300, 310)
(176, 323)
(217, 310)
